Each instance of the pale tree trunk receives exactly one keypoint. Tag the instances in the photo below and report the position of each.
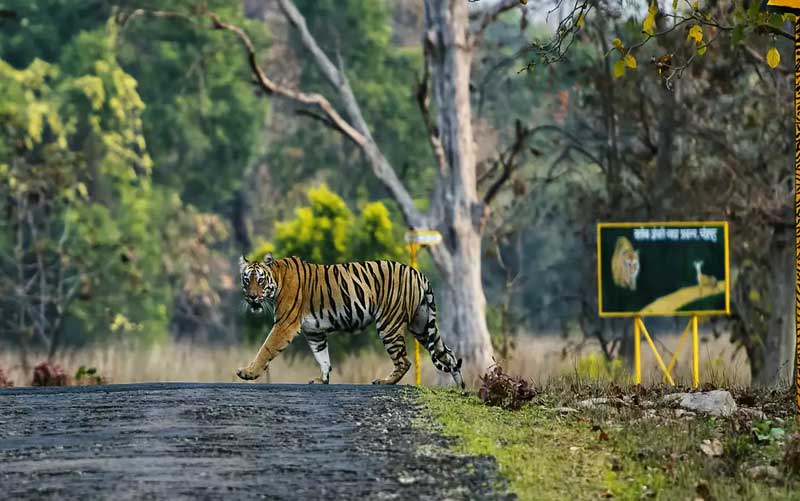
(773, 364)
(462, 319)
(457, 208)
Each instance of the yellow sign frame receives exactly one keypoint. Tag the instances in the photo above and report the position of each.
(726, 234)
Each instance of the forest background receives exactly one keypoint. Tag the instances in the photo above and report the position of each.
(139, 157)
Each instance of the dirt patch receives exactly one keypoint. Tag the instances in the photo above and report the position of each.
(211, 440)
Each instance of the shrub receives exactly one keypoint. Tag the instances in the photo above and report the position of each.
(86, 376)
(502, 390)
(47, 374)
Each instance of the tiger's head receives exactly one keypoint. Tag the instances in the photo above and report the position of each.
(258, 282)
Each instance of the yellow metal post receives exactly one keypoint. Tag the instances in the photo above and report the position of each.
(674, 358)
(695, 354)
(655, 351)
(637, 350)
(412, 250)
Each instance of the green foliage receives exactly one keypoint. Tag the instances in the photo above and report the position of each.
(112, 247)
(86, 376)
(326, 231)
(203, 118)
(75, 137)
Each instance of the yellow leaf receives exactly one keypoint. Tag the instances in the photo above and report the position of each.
(617, 43)
(630, 61)
(650, 21)
(702, 50)
(696, 33)
(773, 57)
(579, 22)
(619, 68)
(82, 190)
(696, 5)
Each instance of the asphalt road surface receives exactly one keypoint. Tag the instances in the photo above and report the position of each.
(232, 441)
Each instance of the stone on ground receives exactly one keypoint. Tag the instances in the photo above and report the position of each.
(715, 403)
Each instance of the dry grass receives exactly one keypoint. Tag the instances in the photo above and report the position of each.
(542, 358)
(536, 358)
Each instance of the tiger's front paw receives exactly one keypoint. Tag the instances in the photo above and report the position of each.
(247, 373)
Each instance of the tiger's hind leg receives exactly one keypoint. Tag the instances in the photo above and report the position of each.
(319, 347)
(395, 344)
(423, 327)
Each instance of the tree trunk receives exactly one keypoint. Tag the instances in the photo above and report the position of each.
(457, 209)
(772, 364)
(462, 319)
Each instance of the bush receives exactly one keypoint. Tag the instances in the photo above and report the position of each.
(87, 376)
(47, 374)
(502, 390)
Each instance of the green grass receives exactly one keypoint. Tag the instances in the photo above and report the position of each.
(649, 453)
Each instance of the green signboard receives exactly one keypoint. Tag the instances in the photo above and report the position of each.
(670, 268)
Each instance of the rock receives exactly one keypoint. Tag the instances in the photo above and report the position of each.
(764, 472)
(593, 402)
(715, 403)
(711, 448)
(565, 410)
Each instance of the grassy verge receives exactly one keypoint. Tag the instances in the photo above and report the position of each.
(635, 449)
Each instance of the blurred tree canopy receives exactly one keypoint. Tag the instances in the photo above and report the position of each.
(113, 223)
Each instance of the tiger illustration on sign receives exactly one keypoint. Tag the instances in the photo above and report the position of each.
(318, 299)
(625, 264)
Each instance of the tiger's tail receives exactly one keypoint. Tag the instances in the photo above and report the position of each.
(441, 356)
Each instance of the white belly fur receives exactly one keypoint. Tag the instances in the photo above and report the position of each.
(313, 325)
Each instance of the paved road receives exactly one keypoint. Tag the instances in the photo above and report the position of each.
(232, 441)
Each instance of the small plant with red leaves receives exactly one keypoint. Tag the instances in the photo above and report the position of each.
(502, 390)
(4, 381)
(47, 374)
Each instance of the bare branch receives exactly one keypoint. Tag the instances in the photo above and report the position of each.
(521, 135)
(380, 165)
(271, 87)
(481, 8)
(487, 12)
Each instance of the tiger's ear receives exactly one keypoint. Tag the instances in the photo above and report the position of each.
(268, 259)
(242, 262)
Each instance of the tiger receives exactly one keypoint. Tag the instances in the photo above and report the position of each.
(625, 264)
(318, 299)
